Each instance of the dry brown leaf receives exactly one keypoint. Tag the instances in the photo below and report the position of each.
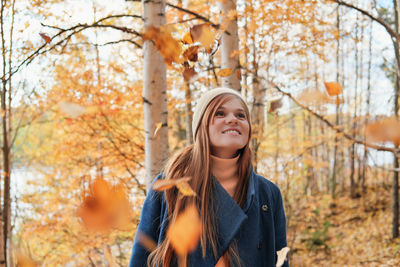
(185, 189)
(205, 34)
(148, 243)
(189, 73)
(282, 256)
(385, 130)
(275, 105)
(191, 53)
(239, 74)
(46, 38)
(225, 72)
(333, 88)
(185, 231)
(165, 43)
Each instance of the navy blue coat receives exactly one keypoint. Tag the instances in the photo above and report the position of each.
(259, 227)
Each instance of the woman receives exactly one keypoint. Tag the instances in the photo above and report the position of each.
(241, 213)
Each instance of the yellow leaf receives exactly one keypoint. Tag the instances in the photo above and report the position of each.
(187, 38)
(185, 231)
(333, 88)
(225, 72)
(164, 184)
(185, 188)
(158, 127)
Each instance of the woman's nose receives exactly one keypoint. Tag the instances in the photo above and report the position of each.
(231, 118)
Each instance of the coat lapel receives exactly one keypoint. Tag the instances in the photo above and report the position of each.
(230, 217)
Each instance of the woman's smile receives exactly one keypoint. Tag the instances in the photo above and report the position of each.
(229, 129)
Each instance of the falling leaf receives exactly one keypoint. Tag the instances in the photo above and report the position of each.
(282, 256)
(225, 72)
(187, 38)
(185, 189)
(71, 109)
(165, 184)
(238, 74)
(105, 207)
(185, 231)
(191, 53)
(148, 243)
(276, 104)
(205, 34)
(165, 43)
(385, 130)
(158, 127)
(46, 38)
(333, 88)
(189, 73)
(315, 97)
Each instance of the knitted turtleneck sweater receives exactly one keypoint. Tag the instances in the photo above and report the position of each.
(225, 171)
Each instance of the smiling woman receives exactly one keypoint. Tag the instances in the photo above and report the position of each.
(242, 220)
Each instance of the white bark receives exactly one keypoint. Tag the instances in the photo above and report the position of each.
(154, 95)
(230, 44)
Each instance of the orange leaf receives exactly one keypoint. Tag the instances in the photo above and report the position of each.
(165, 184)
(185, 231)
(225, 72)
(164, 42)
(46, 38)
(385, 130)
(187, 38)
(333, 88)
(205, 34)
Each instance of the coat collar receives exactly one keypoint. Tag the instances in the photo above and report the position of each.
(230, 216)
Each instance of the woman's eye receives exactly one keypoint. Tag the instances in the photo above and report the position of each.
(219, 113)
(242, 115)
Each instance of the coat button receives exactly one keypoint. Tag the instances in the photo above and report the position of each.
(264, 207)
(259, 245)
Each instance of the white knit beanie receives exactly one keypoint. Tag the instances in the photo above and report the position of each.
(205, 100)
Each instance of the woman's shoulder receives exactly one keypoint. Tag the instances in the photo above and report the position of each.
(264, 185)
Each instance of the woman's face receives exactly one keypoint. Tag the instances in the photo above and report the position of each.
(229, 129)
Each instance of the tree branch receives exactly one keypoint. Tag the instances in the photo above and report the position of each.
(389, 29)
(395, 151)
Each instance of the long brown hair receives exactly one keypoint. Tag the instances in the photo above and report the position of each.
(194, 161)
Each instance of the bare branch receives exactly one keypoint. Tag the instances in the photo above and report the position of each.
(395, 151)
(389, 29)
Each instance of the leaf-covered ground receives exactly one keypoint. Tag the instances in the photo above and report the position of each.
(344, 231)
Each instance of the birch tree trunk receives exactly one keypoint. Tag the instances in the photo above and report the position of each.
(395, 222)
(154, 95)
(230, 44)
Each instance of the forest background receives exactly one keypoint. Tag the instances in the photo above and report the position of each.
(95, 95)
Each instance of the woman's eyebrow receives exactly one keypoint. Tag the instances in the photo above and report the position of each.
(222, 107)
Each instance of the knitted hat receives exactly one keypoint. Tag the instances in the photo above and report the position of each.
(205, 100)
